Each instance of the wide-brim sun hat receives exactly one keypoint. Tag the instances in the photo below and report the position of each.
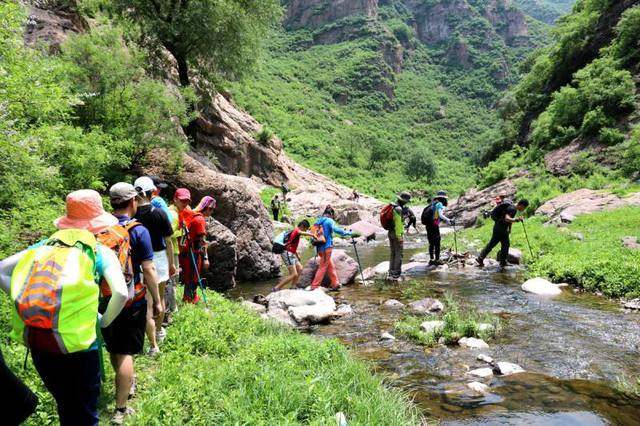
(404, 196)
(85, 211)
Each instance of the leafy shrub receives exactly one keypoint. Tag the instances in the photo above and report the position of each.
(265, 135)
(420, 165)
(609, 136)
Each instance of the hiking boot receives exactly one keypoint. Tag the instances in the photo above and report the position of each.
(432, 262)
(480, 262)
(119, 414)
(153, 352)
(336, 288)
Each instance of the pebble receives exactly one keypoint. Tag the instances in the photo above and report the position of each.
(387, 336)
(508, 368)
(483, 372)
(479, 388)
(472, 343)
(485, 358)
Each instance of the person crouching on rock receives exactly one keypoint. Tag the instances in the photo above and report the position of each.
(322, 239)
(290, 257)
(504, 215)
(193, 246)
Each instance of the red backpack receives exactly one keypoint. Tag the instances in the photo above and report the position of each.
(386, 217)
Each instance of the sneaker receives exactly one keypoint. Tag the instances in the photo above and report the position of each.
(336, 288)
(161, 335)
(119, 415)
(153, 352)
(480, 262)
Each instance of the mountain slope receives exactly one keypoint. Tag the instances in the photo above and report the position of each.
(391, 94)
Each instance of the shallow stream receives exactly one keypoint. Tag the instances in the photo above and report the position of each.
(573, 347)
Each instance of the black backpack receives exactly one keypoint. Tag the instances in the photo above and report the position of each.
(500, 211)
(428, 214)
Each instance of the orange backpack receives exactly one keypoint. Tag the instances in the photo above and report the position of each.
(117, 238)
(317, 231)
(386, 216)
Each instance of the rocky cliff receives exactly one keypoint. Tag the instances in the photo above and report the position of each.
(316, 13)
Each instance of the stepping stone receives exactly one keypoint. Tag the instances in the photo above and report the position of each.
(393, 304)
(472, 343)
(387, 336)
(483, 372)
(485, 358)
(479, 388)
(507, 368)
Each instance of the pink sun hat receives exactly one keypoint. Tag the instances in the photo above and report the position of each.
(85, 211)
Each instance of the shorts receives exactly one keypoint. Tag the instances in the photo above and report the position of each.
(125, 335)
(289, 259)
(161, 261)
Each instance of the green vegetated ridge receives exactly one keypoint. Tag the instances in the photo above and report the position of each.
(575, 93)
(545, 10)
(343, 108)
(227, 366)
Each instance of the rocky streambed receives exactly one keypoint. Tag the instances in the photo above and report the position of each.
(573, 348)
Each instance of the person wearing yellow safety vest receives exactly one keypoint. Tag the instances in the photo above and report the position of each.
(396, 236)
(54, 289)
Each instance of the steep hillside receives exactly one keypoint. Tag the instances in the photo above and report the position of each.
(391, 94)
(579, 102)
(545, 10)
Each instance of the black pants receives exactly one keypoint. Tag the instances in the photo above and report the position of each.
(500, 235)
(433, 236)
(74, 381)
(276, 213)
(18, 401)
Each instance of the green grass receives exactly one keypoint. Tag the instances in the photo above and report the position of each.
(459, 321)
(599, 263)
(267, 194)
(228, 366)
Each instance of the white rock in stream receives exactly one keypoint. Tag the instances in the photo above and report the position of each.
(305, 307)
(472, 343)
(387, 336)
(432, 326)
(479, 388)
(483, 373)
(485, 327)
(541, 287)
(485, 358)
(507, 368)
(426, 305)
(393, 304)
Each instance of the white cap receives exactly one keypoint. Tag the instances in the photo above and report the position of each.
(144, 184)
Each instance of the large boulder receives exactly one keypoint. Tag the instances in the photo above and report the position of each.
(541, 287)
(304, 307)
(50, 25)
(474, 203)
(368, 230)
(346, 268)
(222, 252)
(566, 207)
(239, 209)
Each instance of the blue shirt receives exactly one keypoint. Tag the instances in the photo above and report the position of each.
(329, 226)
(160, 203)
(141, 247)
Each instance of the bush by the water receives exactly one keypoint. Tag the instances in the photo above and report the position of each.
(599, 262)
(228, 366)
(459, 321)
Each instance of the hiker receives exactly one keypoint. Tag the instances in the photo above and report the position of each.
(504, 215)
(19, 401)
(356, 196)
(322, 238)
(168, 296)
(193, 245)
(159, 226)
(392, 221)
(170, 291)
(432, 215)
(124, 338)
(275, 207)
(286, 244)
(409, 219)
(54, 289)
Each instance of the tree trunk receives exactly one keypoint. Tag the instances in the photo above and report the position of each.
(183, 70)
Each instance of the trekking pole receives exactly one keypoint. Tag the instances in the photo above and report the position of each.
(455, 237)
(195, 265)
(355, 249)
(527, 237)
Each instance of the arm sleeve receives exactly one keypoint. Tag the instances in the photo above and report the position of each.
(143, 249)
(165, 223)
(112, 273)
(442, 216)
(338, 230)
(6, 270)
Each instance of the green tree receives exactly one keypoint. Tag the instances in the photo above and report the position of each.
(420, 165)
(221, 36)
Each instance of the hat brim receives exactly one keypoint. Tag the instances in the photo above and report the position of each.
(94, 225)
(183, 198)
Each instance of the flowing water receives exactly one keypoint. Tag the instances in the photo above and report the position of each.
(573, 347)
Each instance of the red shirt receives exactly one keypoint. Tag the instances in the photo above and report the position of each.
(294, 240)
(196, 226)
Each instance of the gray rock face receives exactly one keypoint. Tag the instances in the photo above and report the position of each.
(316, 13)
(239, 209)
(470, 206)
(566, 207)
(346, 267)
(223, 256)
(52, 25)
(426, 305)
